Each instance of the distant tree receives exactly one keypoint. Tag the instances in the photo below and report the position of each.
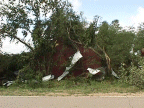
(139, 39)
(116, 25)
(10, 63)
(90, 33)
(117, 43)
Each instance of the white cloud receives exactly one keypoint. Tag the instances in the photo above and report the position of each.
(18, 48)
(134, 20)
(11, 47)
(76, 4)
(139, 17)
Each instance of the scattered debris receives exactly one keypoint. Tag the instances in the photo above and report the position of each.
(98, 74)
(75, 58)
(114, 74)
(47, 78)
(8, 83)
(93, 71)
(63, 75)
(101, 70)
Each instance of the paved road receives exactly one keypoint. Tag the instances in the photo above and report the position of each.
(71, 102)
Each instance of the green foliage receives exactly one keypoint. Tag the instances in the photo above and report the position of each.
(89, 37)
(139, 39)
(134, 75)
(116, 42)
(68, 87)
(26, 73)
(66, 26)
(62, 24)
(10, 63)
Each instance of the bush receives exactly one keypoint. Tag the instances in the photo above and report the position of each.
(10, 63)
(134, 75)
(26, 73)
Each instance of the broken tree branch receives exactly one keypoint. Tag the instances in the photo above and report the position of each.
(72, 40)
(23, 43)
(95, 51)
(107, 58)
(17, 38)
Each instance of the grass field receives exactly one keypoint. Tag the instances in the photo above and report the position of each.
(68, 87)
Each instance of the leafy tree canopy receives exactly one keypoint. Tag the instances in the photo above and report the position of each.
(49, 20)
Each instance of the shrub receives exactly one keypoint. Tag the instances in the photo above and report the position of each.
(134, 75)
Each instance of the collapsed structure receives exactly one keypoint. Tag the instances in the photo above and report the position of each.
(68, 60)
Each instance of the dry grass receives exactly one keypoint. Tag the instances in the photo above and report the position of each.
(70, 87)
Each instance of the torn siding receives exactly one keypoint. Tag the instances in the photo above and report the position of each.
(61, 60)
(75, 58)
(89, 60)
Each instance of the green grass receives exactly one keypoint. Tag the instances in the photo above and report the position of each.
(78, 86)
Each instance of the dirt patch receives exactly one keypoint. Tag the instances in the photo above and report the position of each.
(117, 94)
(96, 94)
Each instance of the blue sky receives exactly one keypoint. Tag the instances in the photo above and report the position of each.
(128, 12)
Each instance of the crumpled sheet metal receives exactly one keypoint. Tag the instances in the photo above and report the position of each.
(93, 71)
(114, 74)
(96, 71)
(8, 83)
(63, 75)
(101, 69)
(47, 78)
(75, 58)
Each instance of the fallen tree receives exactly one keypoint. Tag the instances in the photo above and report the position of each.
(61, 35)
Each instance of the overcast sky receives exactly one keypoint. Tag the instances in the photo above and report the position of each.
(128, 12)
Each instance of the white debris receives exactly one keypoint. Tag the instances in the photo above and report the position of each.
(75, 58)
(93, 71)
(100, 70)
(114, 74)
(63, 75)
(8, 83)
(68, 68)
(47, 78)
